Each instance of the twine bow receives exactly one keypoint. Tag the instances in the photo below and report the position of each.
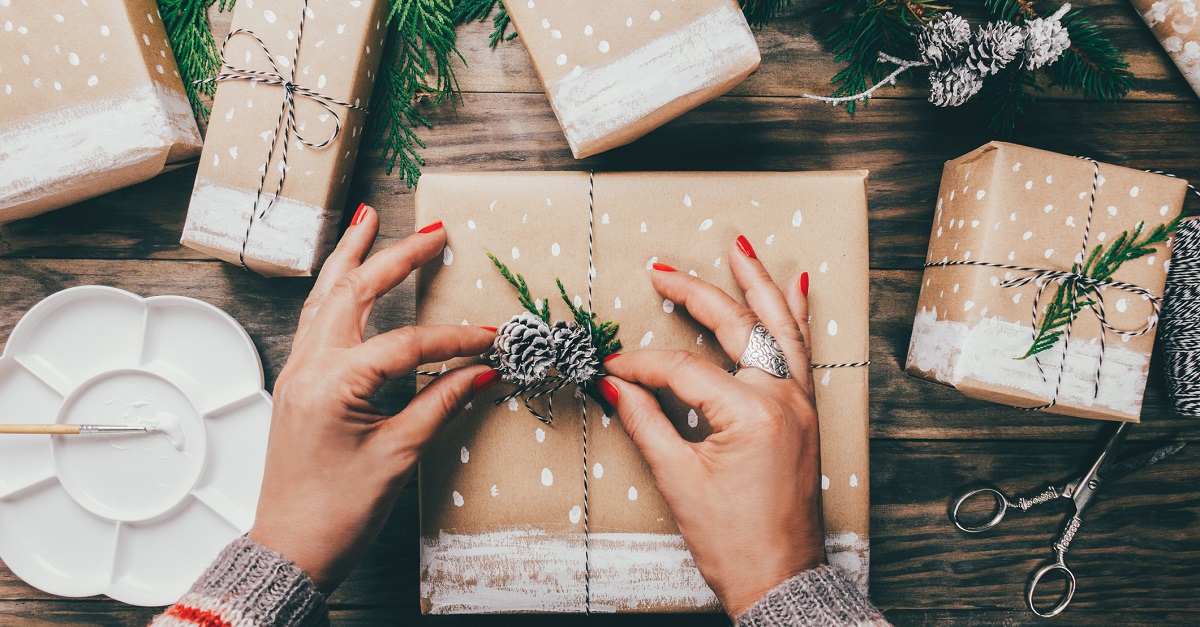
(1072, 285)
(287, 113)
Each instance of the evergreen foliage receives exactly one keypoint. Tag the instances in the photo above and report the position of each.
(188, 30)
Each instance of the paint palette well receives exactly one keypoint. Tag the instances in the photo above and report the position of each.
(134, 516)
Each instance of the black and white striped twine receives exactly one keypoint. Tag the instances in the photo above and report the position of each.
(1181, 321)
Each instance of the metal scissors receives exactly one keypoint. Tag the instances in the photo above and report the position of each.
(1080, 491)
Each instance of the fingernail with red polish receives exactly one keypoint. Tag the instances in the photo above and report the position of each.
(609, 391)
(743, 245)
(485, 381)
(359, 214)
(432, 227)
(487, 328)
(662, 267)
(612, 357)
(804, 283)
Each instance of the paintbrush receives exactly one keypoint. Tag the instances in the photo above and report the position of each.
(57, 429)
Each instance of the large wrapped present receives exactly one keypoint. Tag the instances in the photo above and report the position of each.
(90, 101)
(286, 124)
(1177, 27)
(1044, 280)
(502, 494)
(617, 70)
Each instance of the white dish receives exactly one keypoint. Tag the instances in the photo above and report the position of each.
(130, 516)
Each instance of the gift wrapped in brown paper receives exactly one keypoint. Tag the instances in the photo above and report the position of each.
(1044, 280)
(502, 494)
(617, 70)
(1176, 24)
(286, 123)
(90, 101)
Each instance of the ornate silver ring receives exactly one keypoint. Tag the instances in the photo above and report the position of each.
(763, 353)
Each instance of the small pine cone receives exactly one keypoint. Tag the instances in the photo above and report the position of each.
(1045, 41)
(954, 85)
(523, 351)
(941, 41)
(576, 353)
(995, 45)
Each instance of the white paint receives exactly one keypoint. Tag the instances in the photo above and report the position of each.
(598, 471)
(1134, 191)
(575, 515)
(824, 482)
(852, 554)
(464, 455)
(832, 327)
(555, 249)
(471, 224)
(447, 256)
(516, 254)
(1163, 210)
(44, 155)
(1049, 253)
(797, 218)
(458, 499)
(617, 303)
(633, 493)
(1027, 235)
(269, 15)
(693, 419)
(706, 224)
(604, 420)
(980, 194)
(512, 404)
(646, 339)
(985, 350)
(604, 47)
(1112, 210)
(596, 102)
(547, 477)
(643, 229)
(853, 480)
(539, 435)
(687, 200)
(668, 306)
(495, 490)
(827, 377)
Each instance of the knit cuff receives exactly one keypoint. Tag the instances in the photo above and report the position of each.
(249, 585)
(819, 597)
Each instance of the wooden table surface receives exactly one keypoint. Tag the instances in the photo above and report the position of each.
(1138, 555)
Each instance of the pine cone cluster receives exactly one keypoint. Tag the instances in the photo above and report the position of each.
(526, 349)
(961, 59)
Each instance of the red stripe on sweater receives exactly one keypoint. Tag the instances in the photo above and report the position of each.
(195, 615)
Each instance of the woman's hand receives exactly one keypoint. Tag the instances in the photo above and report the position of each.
(335, 463)
(747, 497)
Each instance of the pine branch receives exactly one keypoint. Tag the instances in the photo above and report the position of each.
(196, 53)
(1092, 65)
(518, 282)
(603, 334)
(1071, 297)
(1005, 98)
(416, 70)
(760, 12)
(469, 10)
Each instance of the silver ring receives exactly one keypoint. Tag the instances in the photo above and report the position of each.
(763, 353)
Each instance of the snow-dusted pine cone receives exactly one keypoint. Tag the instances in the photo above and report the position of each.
(1045, 41)
(523, 351)
(994, 46)
(575, 351)
(941, 41)
(952, 86)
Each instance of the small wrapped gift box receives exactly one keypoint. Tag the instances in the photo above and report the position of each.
(1177, 27)
(617, 70)
(1044, 280)
(286, 123)
(90, 102)
(502, 494)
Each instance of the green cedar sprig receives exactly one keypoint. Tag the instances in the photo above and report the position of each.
(522, 287)
(1073, 297)
(760, 12)
(604, 334)
(472, 10)
(191, 37)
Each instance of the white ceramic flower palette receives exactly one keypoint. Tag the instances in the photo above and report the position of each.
(134, 516)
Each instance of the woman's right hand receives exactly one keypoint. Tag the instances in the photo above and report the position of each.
(747, 498)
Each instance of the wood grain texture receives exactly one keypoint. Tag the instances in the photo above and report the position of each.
(1138, 554)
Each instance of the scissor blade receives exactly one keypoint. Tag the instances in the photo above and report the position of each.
(1138, 462)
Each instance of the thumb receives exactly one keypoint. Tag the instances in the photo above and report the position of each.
(649, 428)
(435, 406)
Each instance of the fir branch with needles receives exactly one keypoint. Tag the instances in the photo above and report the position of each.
(479, 10)
(190, 33)
(1072, 297)
(604, 334)
(522, 288)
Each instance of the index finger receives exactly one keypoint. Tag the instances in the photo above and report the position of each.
(344, 313)
(349, 254)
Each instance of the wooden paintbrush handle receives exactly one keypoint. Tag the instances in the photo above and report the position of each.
(53, 429)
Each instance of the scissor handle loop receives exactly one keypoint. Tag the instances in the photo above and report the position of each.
(1066, 597)
(1002, 506)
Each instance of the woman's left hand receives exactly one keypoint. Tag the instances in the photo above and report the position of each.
(335, 463)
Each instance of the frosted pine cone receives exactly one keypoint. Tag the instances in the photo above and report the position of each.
(575, 351)
(523, 351)
(943, 40)
(995, 45)
(1045, 41)
(954, 85)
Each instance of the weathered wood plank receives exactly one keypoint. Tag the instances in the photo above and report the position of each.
(903, 142)
(902, 406)
(1136, 551)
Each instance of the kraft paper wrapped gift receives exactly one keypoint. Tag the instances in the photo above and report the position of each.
(1177, 26)
(332, 62)
(90, 101)
(1008, 205)
(502, 494)
(619, 69)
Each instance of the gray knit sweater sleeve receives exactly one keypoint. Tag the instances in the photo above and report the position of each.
(249, 585)
(821, 597)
